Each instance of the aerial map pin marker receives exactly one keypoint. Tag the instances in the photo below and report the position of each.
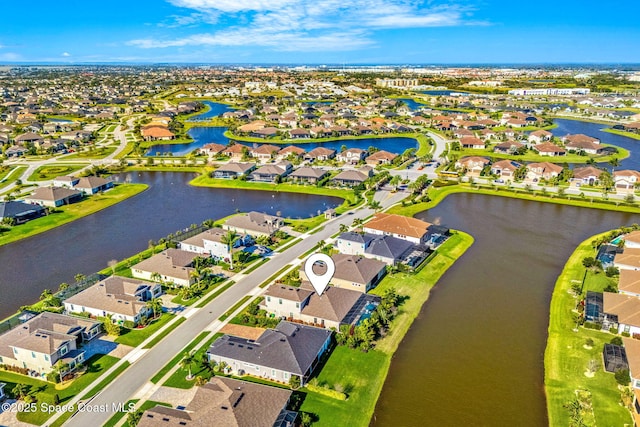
(319, 281)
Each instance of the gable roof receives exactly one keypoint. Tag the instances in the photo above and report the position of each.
(334, 304)
(288, 292)
(236, 167)
(16, 209)
(52, 193)
(629, 281)
(630, 256)
(626, 307)
(309, 172)
(289, 347)
(356, 268)
(587, 171)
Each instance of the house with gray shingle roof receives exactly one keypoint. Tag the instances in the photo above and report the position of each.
(172, 265)
(93, 184)
(385, 248)
(278, 354)
(224, 402)
(254, 224)
(20, 211)
(234, 170)
(308, 174)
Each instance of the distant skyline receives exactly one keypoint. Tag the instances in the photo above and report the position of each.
(320, 31)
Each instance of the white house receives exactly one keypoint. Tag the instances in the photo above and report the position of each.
(210, 243)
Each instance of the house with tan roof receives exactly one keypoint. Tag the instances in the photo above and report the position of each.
(403, 227)
(632, 348)
(234, 170)
(224, 402)
(252, 127)
(264, 152)
(539, 136)
(473, 165)
(354, 272)
(542, 170)
(351, 155)
(622, 312)
(549, 149)
(210, 243)
(235, 151)
(505, 169)
(120, 297)
(629, 283)
(626, 181)
(629, 259)
(271, 172)
(632, 240)
(308, 175)
(254, 224)
(472, 142)
(587, 175)
(212, 149)
(42, 341)
(352, 177)
(335, 307)
(171, 266)
(54, 196)
(320, 153)
(290, 151)
(381, 157)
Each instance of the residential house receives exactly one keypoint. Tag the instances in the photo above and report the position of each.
(65, 181)
(93, 184)
(40, 342)
(351, 155)
(400, 226)
(629, 283)
(539, 136)
(632, 349)
(579, 138)
(472, 142)
(226, 402)
(587, 175)
(626, 181)
(388, 249)
(211, 243)
(156, 133)
(121, 298)
(254, 224)
(508, 147)
(278, 354)
(15, 151)
(290, 152)
(354, 272)
(335, 307)
(473, 165)
(308, 175)
(20, 212)
(271, 173)
(353, 177)
(320, 154)
(212, 149)
(505, 169)
(542, 170)
(621, 312)
(54, 196)
(299, 133)
(549, 149)
(29, 138)
(265, 132)
(629, 259)
(264, 152)
(632, 240)
(236, 151)
(381, 157)
(170, 266)
(234, 170)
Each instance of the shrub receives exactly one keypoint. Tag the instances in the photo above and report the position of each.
(616, 341)
(626, 334)
(129, 324)
(622, 376)
(591, 325)
(327, 392)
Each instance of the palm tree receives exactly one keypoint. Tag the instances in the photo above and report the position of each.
(395, 181)
(207, 365)
(20, 390)
(357, 222)
(229, 239)
(186, 363)
(375, 205)
(155, 304)
(344, 228)
(156, 277)
(79, 277)
(46, 294)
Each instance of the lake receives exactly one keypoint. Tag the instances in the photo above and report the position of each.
(474, 356)
(86, 245)
(213, 109)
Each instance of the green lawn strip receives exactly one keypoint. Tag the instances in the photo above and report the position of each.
(362, 375)
(119, 415)
(533, 157)
(97, 153)
(164, 333)
(45, 392)
(179, 378)
(622, 133)
(211, 297)
(5, 170)
(72, 212)
(135, 337)
(291, 244)
(162, 372)
(124, 365)
(275, 275)
(235, 307)
(256, 265)
(47, 172)
(438, 194)
(16, 173)
(205, 181)
(566, 358)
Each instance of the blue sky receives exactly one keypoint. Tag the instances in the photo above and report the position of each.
(320, 31)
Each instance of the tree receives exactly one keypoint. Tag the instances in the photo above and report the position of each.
(629, 198)
(395, 181)
(622, 376)
(375, 205)
(79, 277)
(46, 294)
(155, 304)
(20, 390)
(186, 363)
(344, 228)
(294, 382)
(156, 277)
(229, 239)
(134, 417)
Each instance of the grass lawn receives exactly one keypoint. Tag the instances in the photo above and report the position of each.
(157, 339)
(362, 374)
(622, 133)
(533, 157)
(219, 290)
(438, 194)
(96, 153)
(135, 337)
(566, 358)
(47, 172)
(179, 377)
(162, 372)
(4, 171)
(72, 212)
(12, 175)
(45, 391)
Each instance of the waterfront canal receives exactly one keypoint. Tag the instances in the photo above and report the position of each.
(86, 245)
(474, 355)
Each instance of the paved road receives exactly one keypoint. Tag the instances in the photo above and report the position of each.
(440, 146)
(144, 368)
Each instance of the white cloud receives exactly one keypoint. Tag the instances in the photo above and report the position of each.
(66, 54)
(10, 56)
(328, 25)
